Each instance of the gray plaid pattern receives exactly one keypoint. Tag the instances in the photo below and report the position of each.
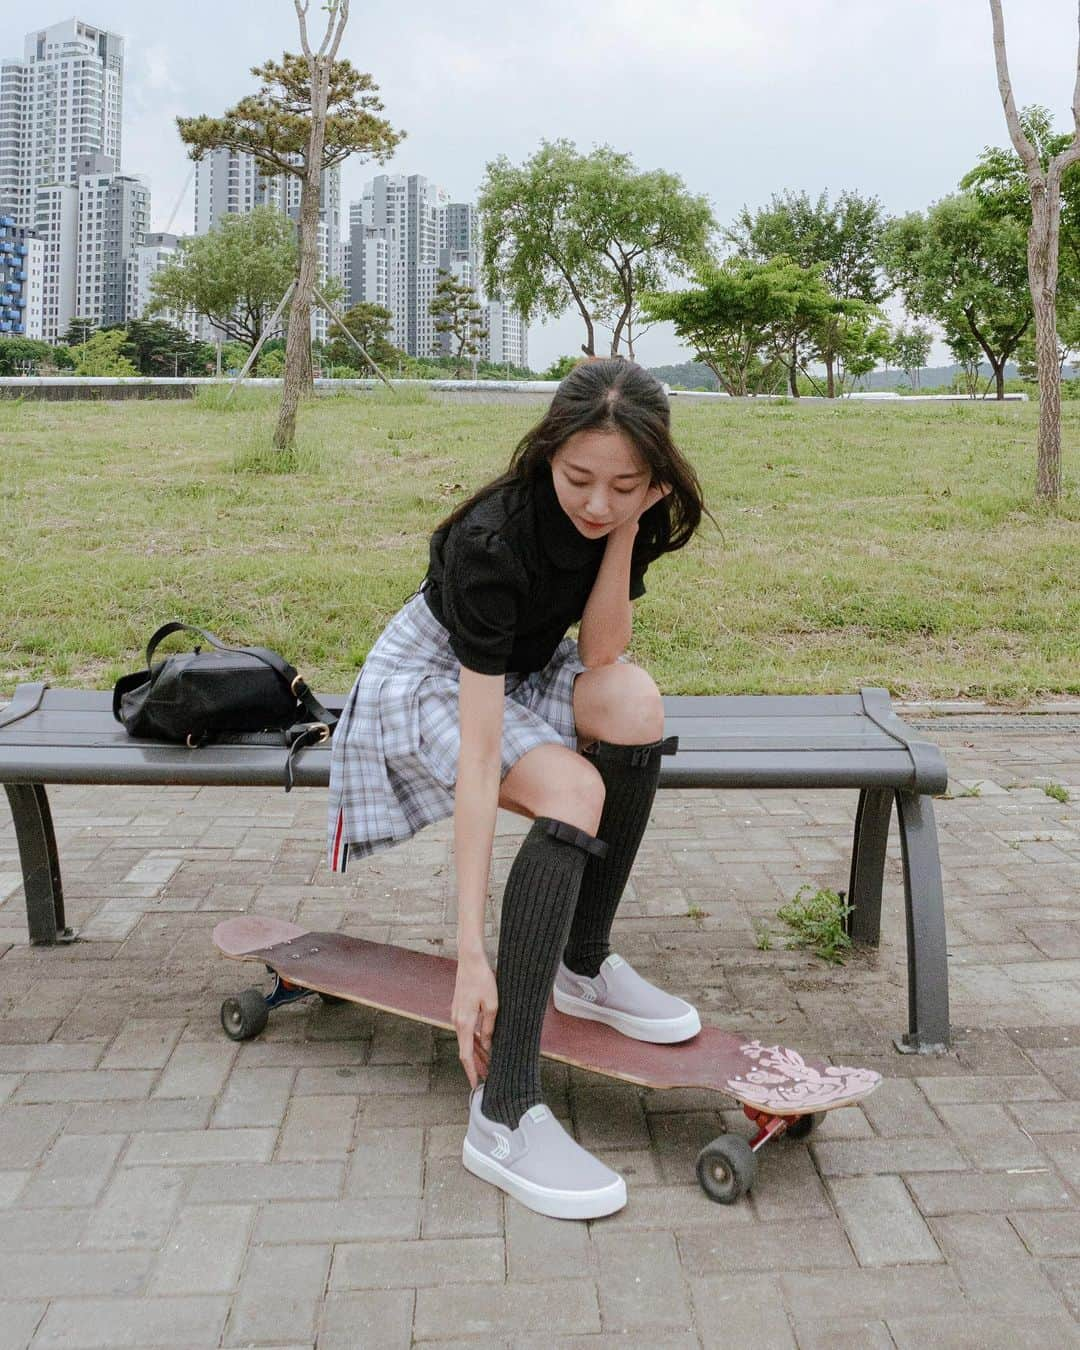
(394, 755)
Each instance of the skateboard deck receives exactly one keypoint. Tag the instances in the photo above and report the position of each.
(771, 1082)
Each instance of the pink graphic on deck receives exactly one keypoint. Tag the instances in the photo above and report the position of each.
(783, 1081)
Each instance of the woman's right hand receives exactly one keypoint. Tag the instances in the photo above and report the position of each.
(476, 1001)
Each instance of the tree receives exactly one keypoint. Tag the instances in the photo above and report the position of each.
(909, 350)
(586, 230)
(22, 355)
(963, 265)
(311, 112)
(458, 317)
(160, 348)
(742, 315)
(234, 275)
(370, 325)
(103, 354)
(841, 240)
(1044, 183)
(78, 330)
(561, 367)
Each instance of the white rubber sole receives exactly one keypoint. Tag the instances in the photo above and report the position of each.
(666, 1031)
(547, 1200)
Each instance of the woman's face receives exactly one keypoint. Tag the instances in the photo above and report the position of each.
(600, 480)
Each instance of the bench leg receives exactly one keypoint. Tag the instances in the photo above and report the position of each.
(928, 968)
(868, 865)
(40, 863)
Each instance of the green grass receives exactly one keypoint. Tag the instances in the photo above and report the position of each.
(859, 545)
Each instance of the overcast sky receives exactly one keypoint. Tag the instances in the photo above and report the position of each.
(739, 97)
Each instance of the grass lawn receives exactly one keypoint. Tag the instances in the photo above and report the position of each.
(859, 544)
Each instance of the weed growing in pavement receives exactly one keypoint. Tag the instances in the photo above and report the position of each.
(1058, 791)
(817, 923)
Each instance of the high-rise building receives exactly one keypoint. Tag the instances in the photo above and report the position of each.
(148, 258)
(56, 222)
(21, 257)
(507, 342)
(63, 100)
(114, 214)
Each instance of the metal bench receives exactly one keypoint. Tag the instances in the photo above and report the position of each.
(755, 741)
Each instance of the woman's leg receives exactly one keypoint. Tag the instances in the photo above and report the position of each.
(555, 787)
(620, 721)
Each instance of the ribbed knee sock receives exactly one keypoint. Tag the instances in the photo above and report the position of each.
(630, 774)
(537, 906)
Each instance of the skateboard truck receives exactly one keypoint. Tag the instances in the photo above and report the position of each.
(247, 1014)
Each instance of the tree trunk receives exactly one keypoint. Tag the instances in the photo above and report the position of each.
(793, 370)
(999, 377)
(830, 374)
(1042, 277)
(297, 382)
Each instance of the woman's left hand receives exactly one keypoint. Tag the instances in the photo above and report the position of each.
(656, 493)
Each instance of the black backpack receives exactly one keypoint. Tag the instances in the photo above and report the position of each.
(240, 695)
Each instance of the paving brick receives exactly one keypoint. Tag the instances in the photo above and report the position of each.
(75, 1171)
(749, 1311)
(482, 1310)
(796, 1244)
(639, 1282)
(991, 1088)
(363, 1078)
(190, 1113)
(1053, 1234)
(85, 1086)
(43, 1230)
(992, 1264)
(844, 1333)
(27, 1131)
(898, 1109)
(196, 1070)
(295, 1054)
(51, 1057)
(539, 1248)
(279, 1297)
(93, 1323)
(980, 1331)
(882, 1224)
(888, 1293)
(12, 1185)
(204, 1251)
(180, 1147)
(609, 1115)
(71, 1273)
(386, 1162)
(363, 1218)
(17, 1324)
(986, 1192)
(1064, 1149)
(8, 1083)
(411, 1265)
(376, 1320)
(1046, 1117)
(254, 1097)
(860, 1157)
(680, 1207)
(457, 1204)
(136, 1209)
(317, 1127)
(398, 1041)
(143, 1043)
(240, 1182)
(990, 1138)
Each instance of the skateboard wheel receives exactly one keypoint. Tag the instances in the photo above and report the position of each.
(244, 1016)
(726, 1168)
(801, 1126)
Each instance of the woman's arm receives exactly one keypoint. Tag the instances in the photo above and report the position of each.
(607, 623)
(476, 801)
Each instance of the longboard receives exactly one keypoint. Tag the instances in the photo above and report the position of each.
(779, 1089)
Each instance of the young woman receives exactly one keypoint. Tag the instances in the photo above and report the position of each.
(473, 697)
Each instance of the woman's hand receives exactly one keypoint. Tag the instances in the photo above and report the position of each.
(656, 493)
(476, 1000)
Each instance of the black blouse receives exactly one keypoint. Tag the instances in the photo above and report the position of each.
(509, 578)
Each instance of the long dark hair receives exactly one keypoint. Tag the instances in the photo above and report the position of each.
(613, 395)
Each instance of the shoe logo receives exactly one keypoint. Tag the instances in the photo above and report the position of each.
(588, 994)
(502, 1148)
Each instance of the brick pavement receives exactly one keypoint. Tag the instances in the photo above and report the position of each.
(161, 1186)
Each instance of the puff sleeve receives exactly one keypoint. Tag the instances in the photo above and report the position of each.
(483, 590)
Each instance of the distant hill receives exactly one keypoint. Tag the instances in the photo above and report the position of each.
(696, 375)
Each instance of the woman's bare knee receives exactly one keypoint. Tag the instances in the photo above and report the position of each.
(619, 703)
(553, 781)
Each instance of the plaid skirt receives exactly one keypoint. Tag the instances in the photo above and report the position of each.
(393, 762)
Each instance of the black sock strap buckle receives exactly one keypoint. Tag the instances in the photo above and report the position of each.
(644, 753)
(570, 834)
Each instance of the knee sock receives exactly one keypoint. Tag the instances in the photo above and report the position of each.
(630, 774)
(537, 906)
